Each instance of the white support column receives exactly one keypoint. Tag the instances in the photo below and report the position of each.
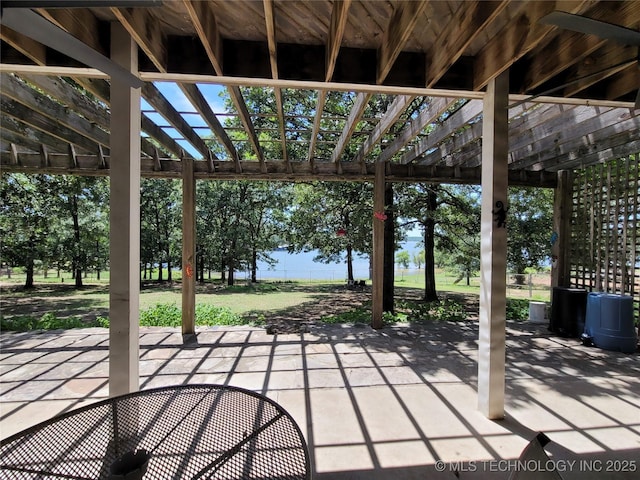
(493, 255)
(188, 248)
(377, 280)
(124, 221)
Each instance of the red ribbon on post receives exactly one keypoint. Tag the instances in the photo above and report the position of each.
(380, 216)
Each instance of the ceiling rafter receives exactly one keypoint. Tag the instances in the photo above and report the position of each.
(72, 98)
(146, 32)
(403, 20)
(20, 92)
(270, 20)
(30, 48)
(356, 112)
(568, 48)
(465, 25)
(204, 20)
(509, 45)
(464, 115)
(14, 129)
(200, 103)
(337, 24)
(603, 123)
(624, 82)
(610, 54)
(436, 107)
(397, 107)
(171, 115)
(45, 123)
(395, 36)
(82, 24)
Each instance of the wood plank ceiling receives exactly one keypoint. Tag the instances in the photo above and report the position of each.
(411, 75)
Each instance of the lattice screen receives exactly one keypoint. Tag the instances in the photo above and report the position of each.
(605, 235)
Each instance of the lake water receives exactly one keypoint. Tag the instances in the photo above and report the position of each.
(300, 266)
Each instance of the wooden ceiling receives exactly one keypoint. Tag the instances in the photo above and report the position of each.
(431, 61)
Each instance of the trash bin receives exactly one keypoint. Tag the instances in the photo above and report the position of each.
(536, 312)
(568, 309)
(609, 322)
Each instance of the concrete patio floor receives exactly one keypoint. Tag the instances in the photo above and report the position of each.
(391, 404)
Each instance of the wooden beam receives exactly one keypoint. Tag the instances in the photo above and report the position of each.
(337, 25)
(204, 21)
(397, 107)
(568, 48)
(79, 22)
(322, 96)
(171, 115)
(270, 20)
(202, 106)
(520, 35)
(436, 107)
(452, 124)
(597, 68)
(30, 48)
(465, 25)
(302, 171)
(245, 118)
(27, 96)
(624, 82)
(22, 134)
(403, 20)
(45, 124)
(147, 32)
(73, 99)
(359, 105)
(590, 128)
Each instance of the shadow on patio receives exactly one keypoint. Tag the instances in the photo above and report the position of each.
(372, 404)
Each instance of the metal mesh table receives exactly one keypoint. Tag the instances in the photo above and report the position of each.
(181, 432)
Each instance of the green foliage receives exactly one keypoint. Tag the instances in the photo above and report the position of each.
(402, 259)
(445, 310)
(517, 309)
(170, 315)
(357, 315)
(48, 321)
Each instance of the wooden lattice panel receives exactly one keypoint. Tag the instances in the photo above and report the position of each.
(605, 243)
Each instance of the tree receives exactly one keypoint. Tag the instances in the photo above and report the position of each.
(80, 205)
(418, 259)
(402, 259)
(25, 220)
(160, 232)
(529, 227)
(334, 218)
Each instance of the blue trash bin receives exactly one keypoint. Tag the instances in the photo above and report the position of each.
(609, 322)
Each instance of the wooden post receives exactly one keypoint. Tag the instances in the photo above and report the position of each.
(124, 221)
(188, 247)
(561, 236)
(493, 255)
(377, 280)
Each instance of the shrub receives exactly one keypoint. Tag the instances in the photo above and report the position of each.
(517, 309)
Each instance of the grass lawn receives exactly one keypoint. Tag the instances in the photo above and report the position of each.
(61, 304)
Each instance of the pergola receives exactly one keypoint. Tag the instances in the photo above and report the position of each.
(508, 99)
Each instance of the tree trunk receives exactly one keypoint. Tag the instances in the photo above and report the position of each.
(160, 277)
(169, 276)
(254, 266)
(389, 251)
(76, 241)
(350, 264)
(29, 268)
(430, 293)
(230, 277)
